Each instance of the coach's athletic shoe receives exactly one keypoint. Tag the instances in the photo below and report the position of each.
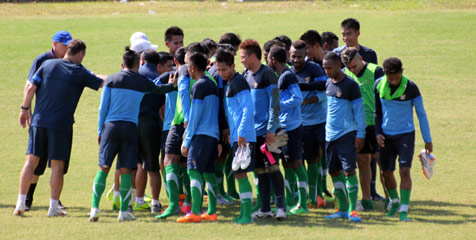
(147, 199)
(19, 210)
(298, 210)
(260, 214)
(116, 203)
(377, 197)
(189, 218)
(354, 217)
(140, 207)
(280, 214)
(126, 216)
(337, 214)
(155, 209)
(56, 212)
(94, 215)
(209, 218)
(61, 206)
(222, 201)
(28, 203)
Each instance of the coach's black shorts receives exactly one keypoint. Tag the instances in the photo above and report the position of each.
(150, 130)
(370, 143)
(253, 151)
(173, 144)
(202, 154)
(119, 138)
(49, 144)
(402, 145)
(261, 161)
(292, 151)
(341, 154)
(313, 138)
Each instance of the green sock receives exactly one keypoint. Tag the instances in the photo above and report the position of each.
(258, 197)
(180, 178)
(313, 175)
(212, 190)
(246, 195)
(405, 194)
(352, 185)
(340, 192)
(289, 182)
(164, 180)
(98, 187)
(196, 183)
(173, 184)
(319, 179)
(125, 189)
(230, 178)
(186, 185)
(393, 194)
(302, 185)
(219, 174)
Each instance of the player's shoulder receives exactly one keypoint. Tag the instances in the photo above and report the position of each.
(338, 50)
(366, 49)
(183, 71)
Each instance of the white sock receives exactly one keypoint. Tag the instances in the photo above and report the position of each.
(139, 200)
(53, 203)
(21, 199)
(155, 202)
(116, 193)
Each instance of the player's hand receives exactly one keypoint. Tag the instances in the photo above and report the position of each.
(381, 140)
(359, 144)
(429, 147)
(99, 140)
(270, 137)
(242, 141)
(184, 151)
(25, 118)
(226, 136)
(220, 149)
(173, 78)
(185, 124)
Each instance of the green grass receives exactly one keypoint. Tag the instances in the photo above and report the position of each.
(434, 39)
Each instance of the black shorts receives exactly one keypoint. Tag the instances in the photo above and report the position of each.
(261, 161)
(49, 144)
(313, 139)
(202, 154)
(173, 144)
(119, 138)
(293, 150)
(225, 149)
(370, 143)
(402, 145)
(253, 151)
(150, 130)
(341, 154)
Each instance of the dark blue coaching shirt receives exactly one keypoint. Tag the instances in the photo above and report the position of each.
(60, 84)
(38, 61)
(151, 103)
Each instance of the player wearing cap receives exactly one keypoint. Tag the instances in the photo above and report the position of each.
(58, 85)
(61, 40)
(395, 97)
(117, 129)
(313, 111)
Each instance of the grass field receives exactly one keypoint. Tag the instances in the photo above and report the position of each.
(434, 39)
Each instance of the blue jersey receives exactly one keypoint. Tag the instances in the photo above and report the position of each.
(367, 54)
(314, 113)
(240, 110)
(37, 63)
(394, 117)
(60, 84)
(290, 101)
(203, 110)
(121, 97)
(151, 103)
(222, 85)
(265, 95)
(170, 101)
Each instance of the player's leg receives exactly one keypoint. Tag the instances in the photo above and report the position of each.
(311, 155)
(363, 161)
(347, 155)
(211, 179)
(56, 183)
(406, 148)
(246, 192)
(230, 178)
(187, 199)
(39, 170)
(388, 156)
(294, 148)
(140, 183)
(338, 179)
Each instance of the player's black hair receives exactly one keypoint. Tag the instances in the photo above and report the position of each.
(196, 47)
(251, 46)
(299, 45)
(231, 38)
(349, 54)
(226, 46)
(331, 56)
(180, 55)
(392, 65)
(130, 59)
(151, 56)
(286, 40)
(75, 46)
(164, 57)
(351, 23)
(312, 37)
(172, 31)
(278, 53)
(199, 61)
(209, 43)
(328, 37)
(225, 56)
(267, 45)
